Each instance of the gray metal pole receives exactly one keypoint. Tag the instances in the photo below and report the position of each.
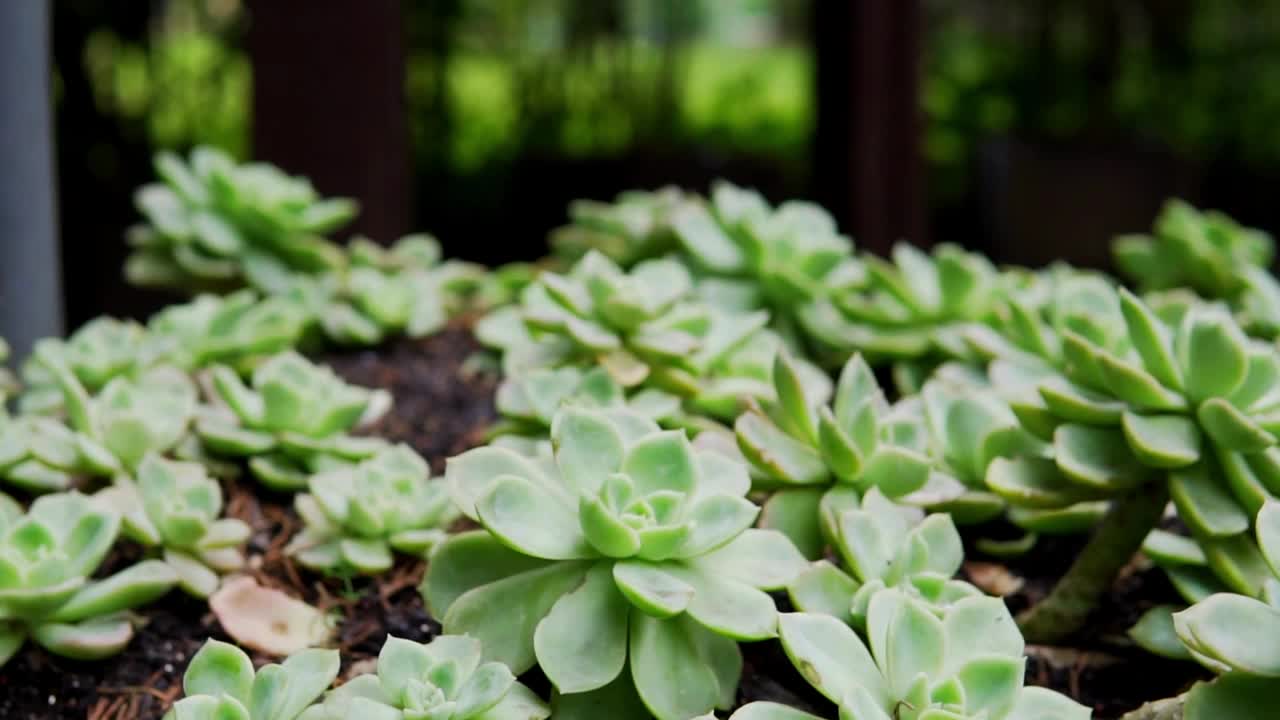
(30, 272)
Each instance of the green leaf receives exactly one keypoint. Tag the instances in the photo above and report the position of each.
(1235, 696)
(895, 471)
(219, 668)
(1269, 534)
(1098, 458)
(1226, 628)
(521, 516)
(991, 684)
(588, 449)
(1214, 355)
(823, 589)
(470, 474)
(309, 673)
(1033, 483)
(670, 677)
(839, 451)
(915, 643)
(1154, 632)
(771, 711)
(1150, 339)
(663, 461)
(1237, 563)
(485, 612)
(778, 454)
(763, 559)
(1230, 428)
(1076, 404)
(1166, 548)
(466, 561)
(92, 639)
(794, 408)
(730, 608)
(658, 589)
(1204, 504)
(1162, 441)
(717, 519)
(794, 513)
(1136, 386)
(831, 657)
(581, 644)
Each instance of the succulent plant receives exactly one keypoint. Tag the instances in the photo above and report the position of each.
(1210, 254)
(884, 545)
(966, 664)
(751, 256)
(221, 684)
(102, 349)
(1188, 411)
(635, 227)
(741, 377)
(47, 557)
(528, 404)
(213, 224)
(235, 329)
(130, 417)
(356, 515)
(40, 454)
(364, 305)
(822, 459)
(444, 679)
(914, 310)
(292, 421)
(631, 559)
(176, 507)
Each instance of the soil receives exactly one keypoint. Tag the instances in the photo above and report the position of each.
(442, 407)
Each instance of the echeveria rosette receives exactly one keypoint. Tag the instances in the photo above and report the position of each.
(635, 227)
(357, 515)
(911, 312)
(1211, 254)
(175, 508)
(750, 256)
(213, 224)
(741, 376)
(221, 684)
(445, 679)
(1188, 412)
(238, 329)
(129, 418)
(884, 545)
(292, 421)
(102, 349)
(47, 557)
(528, 404)
(41, 455)
(631, 556)
(821, 459)
(967, 664)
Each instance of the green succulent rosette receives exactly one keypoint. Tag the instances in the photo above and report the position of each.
(222, 684)
(914, 664)
(175, 508)
(291, 421)
(102, 349)
(213, 224)
(631, 557)
(48, 556)
(357, 515)
(634, 227)
(445, 679)
(238, 329)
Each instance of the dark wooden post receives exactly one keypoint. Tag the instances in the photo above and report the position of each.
(328, 101)
(867, 150)
(30, 279)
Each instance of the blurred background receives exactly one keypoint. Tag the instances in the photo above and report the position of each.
(1029, 130)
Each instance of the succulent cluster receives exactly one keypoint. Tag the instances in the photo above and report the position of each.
(672, 450)
(356, 515)
(214, 223)
(1211, 254)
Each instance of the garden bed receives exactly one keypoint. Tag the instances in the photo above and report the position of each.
(443, 405)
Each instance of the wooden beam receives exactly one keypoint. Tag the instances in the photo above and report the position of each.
(328, 101)
(867, 161)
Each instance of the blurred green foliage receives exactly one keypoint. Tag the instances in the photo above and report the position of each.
(568, 77)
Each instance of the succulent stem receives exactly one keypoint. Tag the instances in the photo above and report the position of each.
(1167, 709)
(1114, 542)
